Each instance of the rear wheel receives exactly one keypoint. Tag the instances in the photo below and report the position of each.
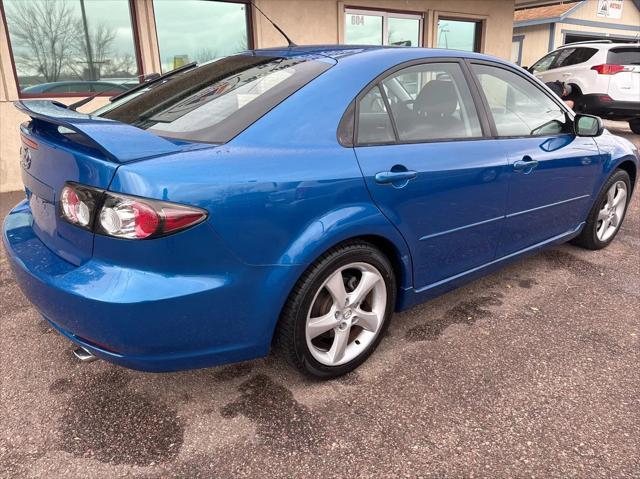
(607, 213)
(635, 126)
(338, 311)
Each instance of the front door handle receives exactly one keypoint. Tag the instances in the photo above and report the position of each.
(398, 178)
(526, 165)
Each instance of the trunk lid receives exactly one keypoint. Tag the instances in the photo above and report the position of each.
(625, 85)
(60, 145)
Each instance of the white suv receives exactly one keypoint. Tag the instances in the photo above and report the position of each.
(605, 78)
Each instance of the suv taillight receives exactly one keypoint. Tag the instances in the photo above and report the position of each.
(608, 69)
(124, 216)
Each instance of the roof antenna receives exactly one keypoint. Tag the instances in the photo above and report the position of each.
(289, 41)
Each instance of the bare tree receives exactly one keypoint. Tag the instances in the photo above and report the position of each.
(123, 66)
(46, 31)
(101, 39)
(205, 54)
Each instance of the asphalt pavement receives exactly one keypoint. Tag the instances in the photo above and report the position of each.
(529, 372)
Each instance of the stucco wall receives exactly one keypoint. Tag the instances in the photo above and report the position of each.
(321, 21)
(535, 43)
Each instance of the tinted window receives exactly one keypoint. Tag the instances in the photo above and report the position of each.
(573, 56)
(624, 56)
(430, 102)
(216, 101)
(518, 107)
(544, 63)
(562, 57)
(374, 124)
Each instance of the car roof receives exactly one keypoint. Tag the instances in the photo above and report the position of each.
(605, 45)
(342, 52)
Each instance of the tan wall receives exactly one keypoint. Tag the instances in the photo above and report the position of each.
(535, 44)
(306, 21)
(322, 21)
(630, 15)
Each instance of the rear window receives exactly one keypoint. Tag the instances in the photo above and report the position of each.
(624, 56)
(214, 102)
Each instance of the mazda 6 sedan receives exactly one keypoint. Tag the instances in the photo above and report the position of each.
(299, 197)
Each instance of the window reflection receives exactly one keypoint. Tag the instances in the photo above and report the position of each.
(403, 32)
(198, 30)
(363, 27)
(72, 46)
(459, 35)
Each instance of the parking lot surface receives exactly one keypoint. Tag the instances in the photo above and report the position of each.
(530, 372)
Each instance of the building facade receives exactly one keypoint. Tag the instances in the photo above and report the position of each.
(69, 49)
(541, 26)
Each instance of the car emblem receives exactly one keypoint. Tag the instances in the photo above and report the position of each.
(25, 158)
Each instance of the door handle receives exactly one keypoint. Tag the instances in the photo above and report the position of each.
(526, 165)
(398, 179)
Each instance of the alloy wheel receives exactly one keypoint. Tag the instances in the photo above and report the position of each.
(612, 211)
(346, 314)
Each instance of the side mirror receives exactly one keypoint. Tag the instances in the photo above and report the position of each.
(588, 125)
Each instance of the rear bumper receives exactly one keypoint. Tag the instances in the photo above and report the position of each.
(143, 319)
(609, 109)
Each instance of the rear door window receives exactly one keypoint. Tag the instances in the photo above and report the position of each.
(432, 102)
(624, 56)
(573, 56)
(214, 102)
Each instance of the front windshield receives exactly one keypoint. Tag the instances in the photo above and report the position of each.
(214, 102)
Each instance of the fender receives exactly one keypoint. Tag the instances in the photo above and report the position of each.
(616, 151)
(346, 222)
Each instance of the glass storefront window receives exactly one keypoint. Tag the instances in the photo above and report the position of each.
(459, 34)
(72, 47)
(365, 27)
(199, 30)
(403, 32)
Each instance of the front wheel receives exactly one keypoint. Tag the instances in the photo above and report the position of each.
(607, 213)
(338, 311)
(635, 125)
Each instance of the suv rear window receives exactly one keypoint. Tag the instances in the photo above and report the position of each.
(624, 56)
(214, 102)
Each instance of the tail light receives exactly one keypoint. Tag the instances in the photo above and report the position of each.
(124, 216)
(608, 69)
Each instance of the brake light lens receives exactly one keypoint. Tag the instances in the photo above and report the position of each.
(76, 205)
(124, 216)
(608, 69)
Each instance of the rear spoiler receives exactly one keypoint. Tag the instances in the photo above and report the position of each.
(120, 142)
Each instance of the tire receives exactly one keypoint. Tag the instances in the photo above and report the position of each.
(324, 339)
(596, 234)
(635, 126)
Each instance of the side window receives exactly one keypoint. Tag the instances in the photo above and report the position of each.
(518, 107)
(581, 55)
(563, 58)
(544, 63)
(432, 102)
(374, 124)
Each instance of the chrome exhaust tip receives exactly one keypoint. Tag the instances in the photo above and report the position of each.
(84, 355)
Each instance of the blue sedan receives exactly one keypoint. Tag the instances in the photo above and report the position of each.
(298, 196)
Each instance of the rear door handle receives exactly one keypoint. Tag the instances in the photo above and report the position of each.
(396, 178)
(526, 165)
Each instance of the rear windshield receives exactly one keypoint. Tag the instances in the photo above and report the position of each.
(624, 56)
(214, 102)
